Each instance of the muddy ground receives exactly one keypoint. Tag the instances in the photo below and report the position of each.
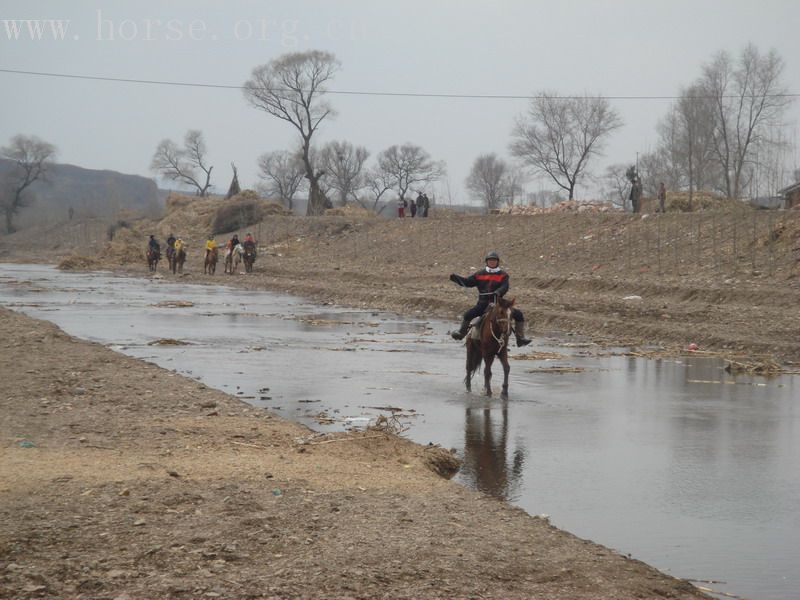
(119, 479)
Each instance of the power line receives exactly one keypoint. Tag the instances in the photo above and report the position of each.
(364, 93)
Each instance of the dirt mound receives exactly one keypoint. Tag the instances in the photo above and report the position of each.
(188, 213)
(128, 246)
(349, 210)
(243, 210)
(76, 262)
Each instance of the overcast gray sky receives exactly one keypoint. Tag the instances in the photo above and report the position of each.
(513, 47)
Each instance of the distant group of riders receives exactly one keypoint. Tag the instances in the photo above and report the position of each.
(235, 252)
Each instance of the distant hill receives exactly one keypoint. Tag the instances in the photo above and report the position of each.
(90, 193)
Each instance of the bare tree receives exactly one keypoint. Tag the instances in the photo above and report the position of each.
(32, 156)
(747, 95)
(617, 185)
(488, 180)
(558, 136)
(343, 164)
(378, 182)
(291, 88)
(515, 178)
(695, 117)
(283, 173)
(185, 165)
(407, 166)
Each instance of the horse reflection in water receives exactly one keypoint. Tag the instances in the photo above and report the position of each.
(486, 453)
(494, 330)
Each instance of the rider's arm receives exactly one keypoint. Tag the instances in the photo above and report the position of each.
(464, 281)
(500, 291)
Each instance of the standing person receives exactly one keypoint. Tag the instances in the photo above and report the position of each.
(416, 206)
(420, 204)
(662, 197)
(491, 281)
(401, 208)
(426, 204)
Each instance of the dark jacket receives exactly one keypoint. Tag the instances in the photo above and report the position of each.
(488, 284)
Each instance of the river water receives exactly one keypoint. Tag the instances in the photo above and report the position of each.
(674, 462)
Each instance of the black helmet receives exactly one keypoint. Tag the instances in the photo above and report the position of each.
(493, 255)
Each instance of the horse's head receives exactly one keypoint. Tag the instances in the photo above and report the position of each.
(500, 315)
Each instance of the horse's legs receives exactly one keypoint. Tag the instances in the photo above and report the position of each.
(468, 378)
(487, 374)
(503, 356)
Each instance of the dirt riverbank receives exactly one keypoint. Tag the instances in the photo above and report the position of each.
(119, 479)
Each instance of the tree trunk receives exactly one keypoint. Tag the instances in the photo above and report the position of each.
(9, 221)
(691, 176)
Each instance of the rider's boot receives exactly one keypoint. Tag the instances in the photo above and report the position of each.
(459, 335)
(519, 332)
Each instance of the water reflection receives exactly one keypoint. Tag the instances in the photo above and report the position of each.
(487, 465)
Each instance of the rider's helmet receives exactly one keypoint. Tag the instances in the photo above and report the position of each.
(152, 236)
(493, 255)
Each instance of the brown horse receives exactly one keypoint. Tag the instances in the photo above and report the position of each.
(495, 328)
(210, 265)
(249, 257)
(153, 257)
(170, 257)
(177, 262)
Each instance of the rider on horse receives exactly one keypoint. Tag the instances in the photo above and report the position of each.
(249, 243)
(491, 281)
(234, 241)
(211, 244)
(154, 246)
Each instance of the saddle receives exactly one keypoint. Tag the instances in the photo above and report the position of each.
(475, 328)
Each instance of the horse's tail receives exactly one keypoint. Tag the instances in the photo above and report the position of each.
(474, 358)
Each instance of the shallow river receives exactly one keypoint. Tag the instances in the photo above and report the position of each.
(671, 461)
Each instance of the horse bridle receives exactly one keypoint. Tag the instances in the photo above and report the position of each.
(504, 335)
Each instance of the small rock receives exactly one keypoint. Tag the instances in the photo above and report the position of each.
(139, 522)
(79, 391)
